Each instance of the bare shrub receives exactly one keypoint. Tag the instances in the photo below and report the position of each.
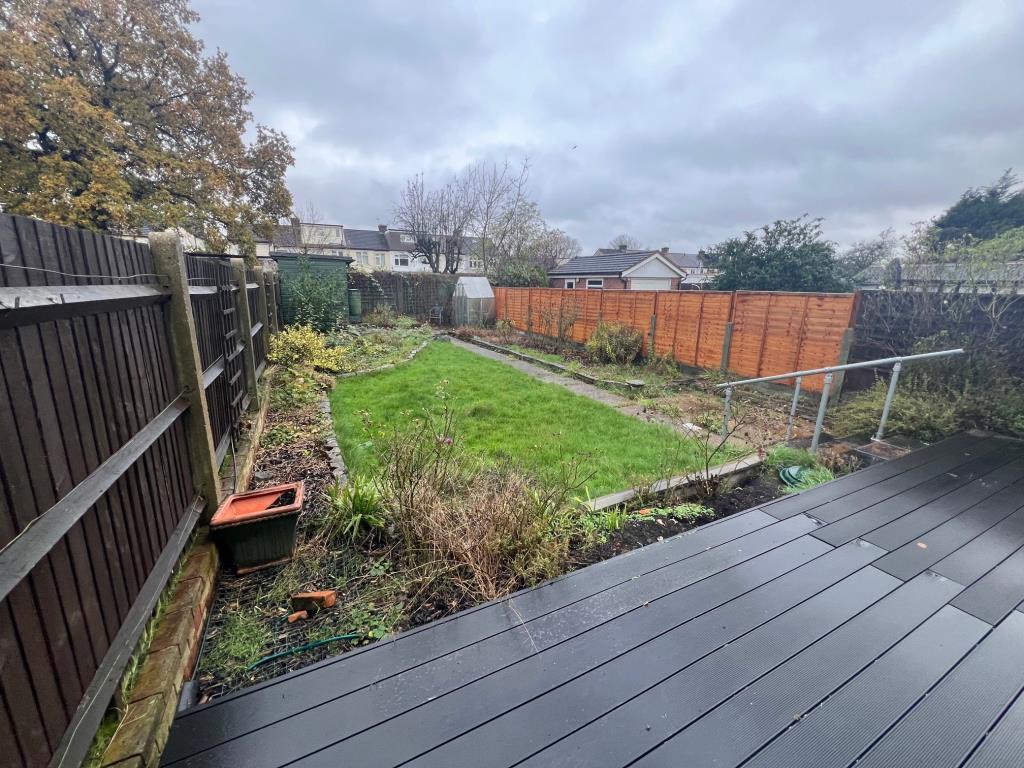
(614, 343)
(472, 532)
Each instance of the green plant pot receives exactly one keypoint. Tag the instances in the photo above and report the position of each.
(257, 529)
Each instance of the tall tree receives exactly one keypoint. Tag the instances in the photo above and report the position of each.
(555, 247)
(984, 212)
(788, 255)
(498, 196)
(626, 242)
(438, 220)
(113, 119)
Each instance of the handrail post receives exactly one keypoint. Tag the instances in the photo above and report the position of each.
(821, 412)
(893, 380)
(792, 408)
(728, 413)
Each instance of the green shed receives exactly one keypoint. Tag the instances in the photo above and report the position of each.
(330, 273)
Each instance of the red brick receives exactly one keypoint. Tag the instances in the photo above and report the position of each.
(313, 601)
(142, 731)
(202, 564)
(161, 671)
(172, 631)
(298, 616)
(188, 594)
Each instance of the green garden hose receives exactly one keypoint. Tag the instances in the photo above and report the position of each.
(301, 648)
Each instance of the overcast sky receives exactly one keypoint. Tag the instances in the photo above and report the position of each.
(682, 123)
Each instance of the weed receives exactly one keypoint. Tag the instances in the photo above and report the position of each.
(614, 343)
(785, 456)
(240, 642)
(371, 621)
(690, 513)
(810, 478)
(381, 317)
(278, 435)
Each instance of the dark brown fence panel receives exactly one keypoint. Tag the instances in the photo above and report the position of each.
(256, 330)
(95, 479)
(211, 294)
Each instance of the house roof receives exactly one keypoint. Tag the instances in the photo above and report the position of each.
(614, 261)
(366, 239)
(953, 273)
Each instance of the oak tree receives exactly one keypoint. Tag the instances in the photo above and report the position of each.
(113, 118)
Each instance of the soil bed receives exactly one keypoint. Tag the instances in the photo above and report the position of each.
(638, 533)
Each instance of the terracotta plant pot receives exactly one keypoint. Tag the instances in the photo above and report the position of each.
(257, 529)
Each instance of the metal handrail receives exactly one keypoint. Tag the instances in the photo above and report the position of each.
(895, 362)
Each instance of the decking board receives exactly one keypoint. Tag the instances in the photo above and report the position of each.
(812, 631)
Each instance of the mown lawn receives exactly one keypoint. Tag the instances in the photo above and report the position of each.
(501, 412)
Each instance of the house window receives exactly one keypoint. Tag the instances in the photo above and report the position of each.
(570, 283)
(401, 261)
(476, 265)
(379, 259)
(361, 255)
(595, 284)
(407, 239)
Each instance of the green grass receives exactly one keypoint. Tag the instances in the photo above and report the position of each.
(241, 642)
(504, 413)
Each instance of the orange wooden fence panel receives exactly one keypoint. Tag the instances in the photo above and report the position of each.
(777, 332)
(773, 332)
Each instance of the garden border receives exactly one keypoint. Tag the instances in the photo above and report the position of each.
(412, 355)
(737, 469)
(563, 369)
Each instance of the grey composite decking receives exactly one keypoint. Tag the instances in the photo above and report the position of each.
(873, 620)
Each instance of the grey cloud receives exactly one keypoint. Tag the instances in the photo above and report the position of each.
(691, 121)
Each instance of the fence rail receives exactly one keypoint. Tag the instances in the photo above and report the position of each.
(98, 476)
(747, 332)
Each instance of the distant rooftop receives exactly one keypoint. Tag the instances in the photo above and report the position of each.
(614, 261)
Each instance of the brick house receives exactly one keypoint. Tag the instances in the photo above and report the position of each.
(621, 268)
(389, 250)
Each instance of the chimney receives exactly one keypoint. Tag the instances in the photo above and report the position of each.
(664, 250)
(622, 246)
(295, 221)
(383, 228)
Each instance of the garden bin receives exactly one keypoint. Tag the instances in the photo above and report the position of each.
(257, 529)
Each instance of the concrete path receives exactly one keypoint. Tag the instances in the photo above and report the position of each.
(582, 388)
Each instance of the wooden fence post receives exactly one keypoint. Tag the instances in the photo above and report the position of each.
(243, 324)
(270, 293)
(169, 260)
(262, 303)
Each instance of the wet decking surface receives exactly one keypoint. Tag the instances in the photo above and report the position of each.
(875, 619)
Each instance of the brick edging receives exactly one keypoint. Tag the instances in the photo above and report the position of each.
(153, 700)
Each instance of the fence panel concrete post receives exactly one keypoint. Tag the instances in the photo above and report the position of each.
(652, 328)
(726, 344)
(243, 324)
(844, 358)
(169, 260)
